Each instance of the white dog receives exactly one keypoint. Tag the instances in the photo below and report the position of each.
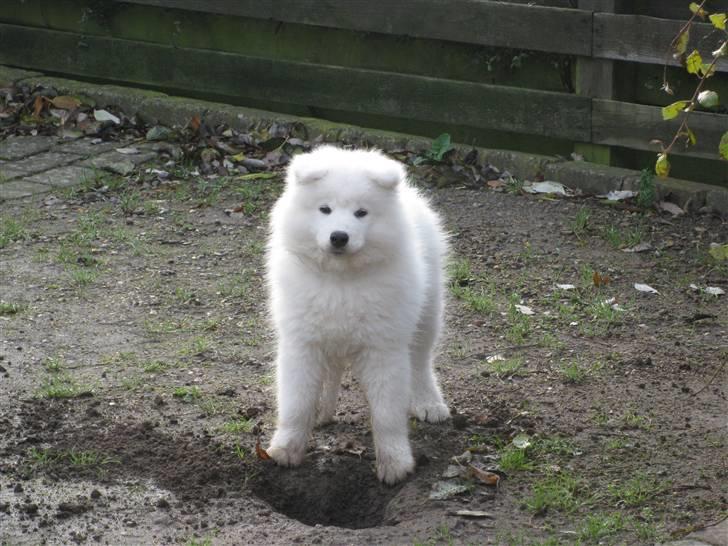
(355, 267)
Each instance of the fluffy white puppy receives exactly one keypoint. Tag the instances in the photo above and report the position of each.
(355, 270)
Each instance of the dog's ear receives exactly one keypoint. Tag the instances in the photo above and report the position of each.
(387, 173)
(304, 169)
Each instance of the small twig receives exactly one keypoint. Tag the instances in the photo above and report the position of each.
(685, 28)
(717, 372)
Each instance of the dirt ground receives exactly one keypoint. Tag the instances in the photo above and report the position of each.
(136, 375)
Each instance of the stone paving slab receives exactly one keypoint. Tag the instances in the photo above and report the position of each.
(22, 188)
(119, 163)
(89, 146)
(36, 164)
(18, 147)
(62, 177)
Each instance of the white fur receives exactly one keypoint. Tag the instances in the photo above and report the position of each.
(377, 306)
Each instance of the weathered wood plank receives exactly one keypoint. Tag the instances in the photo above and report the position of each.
(483, 22)
(355, 90)
(635, 125)
(644, 39)
(672, 9)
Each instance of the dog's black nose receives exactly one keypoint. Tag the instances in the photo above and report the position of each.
(339, 239)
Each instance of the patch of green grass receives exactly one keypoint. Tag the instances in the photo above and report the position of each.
(623, 238)
(197, 346)
(120, 357)
(81, 278)
(154, 366)
(632, 420)
(89, 458)
(130, 201)
(551, 447)
(266, 379)
(581, 222)
(212, 406)
(477, 299)
(165, 326)
(599, 417)
(237, 286)
(599, 526)
(132, 383)
(617, 443)
(559, 491)
(236, 426)
(187, 394)
(62, 386)
(519, 324)
(635, 491)
(509, 367)
(7, 309)
(184, 296)
(512, 458)
(460, 272)
(54, 364)
(11, 230)
(575, 371)
(42, 457)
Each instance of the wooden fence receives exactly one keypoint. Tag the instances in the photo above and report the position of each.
(556, 77)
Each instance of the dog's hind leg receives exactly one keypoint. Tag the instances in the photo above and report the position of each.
(427, 403)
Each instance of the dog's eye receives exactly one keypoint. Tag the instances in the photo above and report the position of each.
(361, 213)
(325, 209)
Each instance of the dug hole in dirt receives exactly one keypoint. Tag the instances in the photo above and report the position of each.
(136, 364)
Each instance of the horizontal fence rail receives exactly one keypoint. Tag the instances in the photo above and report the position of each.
(595, 58)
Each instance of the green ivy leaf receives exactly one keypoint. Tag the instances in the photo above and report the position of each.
(662, 167)
(707, 70)
(718, 20)
(696, 9)
(708, 99)
(440, 146)
(671, 111)
(692, 139)
(694, 62)
(681, 45)
(723, 146)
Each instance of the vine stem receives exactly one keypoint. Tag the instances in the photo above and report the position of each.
(691, 106)
(685, 28)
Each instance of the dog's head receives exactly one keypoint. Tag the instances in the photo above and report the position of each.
(341, 207)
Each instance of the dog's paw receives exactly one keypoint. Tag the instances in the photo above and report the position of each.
(324, 419)
(434, 412)
(391, 470)
(285, 456)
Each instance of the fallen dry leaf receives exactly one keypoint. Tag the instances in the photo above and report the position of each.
(195, 123)
(66, 102)
(38, 105)
(600, 280)
(260, 452)
(488, 478)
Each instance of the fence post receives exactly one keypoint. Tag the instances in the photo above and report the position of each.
(595, 79)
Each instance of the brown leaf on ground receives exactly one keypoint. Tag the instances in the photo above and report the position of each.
(66, 102)
(195, 123)
(260, 452)
(488, 478)
(600, 280)
(38, 105)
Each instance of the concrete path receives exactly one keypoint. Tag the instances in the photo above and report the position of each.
(31, 165)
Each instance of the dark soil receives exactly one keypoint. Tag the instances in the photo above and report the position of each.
(137, 377)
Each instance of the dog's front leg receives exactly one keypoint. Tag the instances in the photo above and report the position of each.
(299, 379)
(386, 378)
